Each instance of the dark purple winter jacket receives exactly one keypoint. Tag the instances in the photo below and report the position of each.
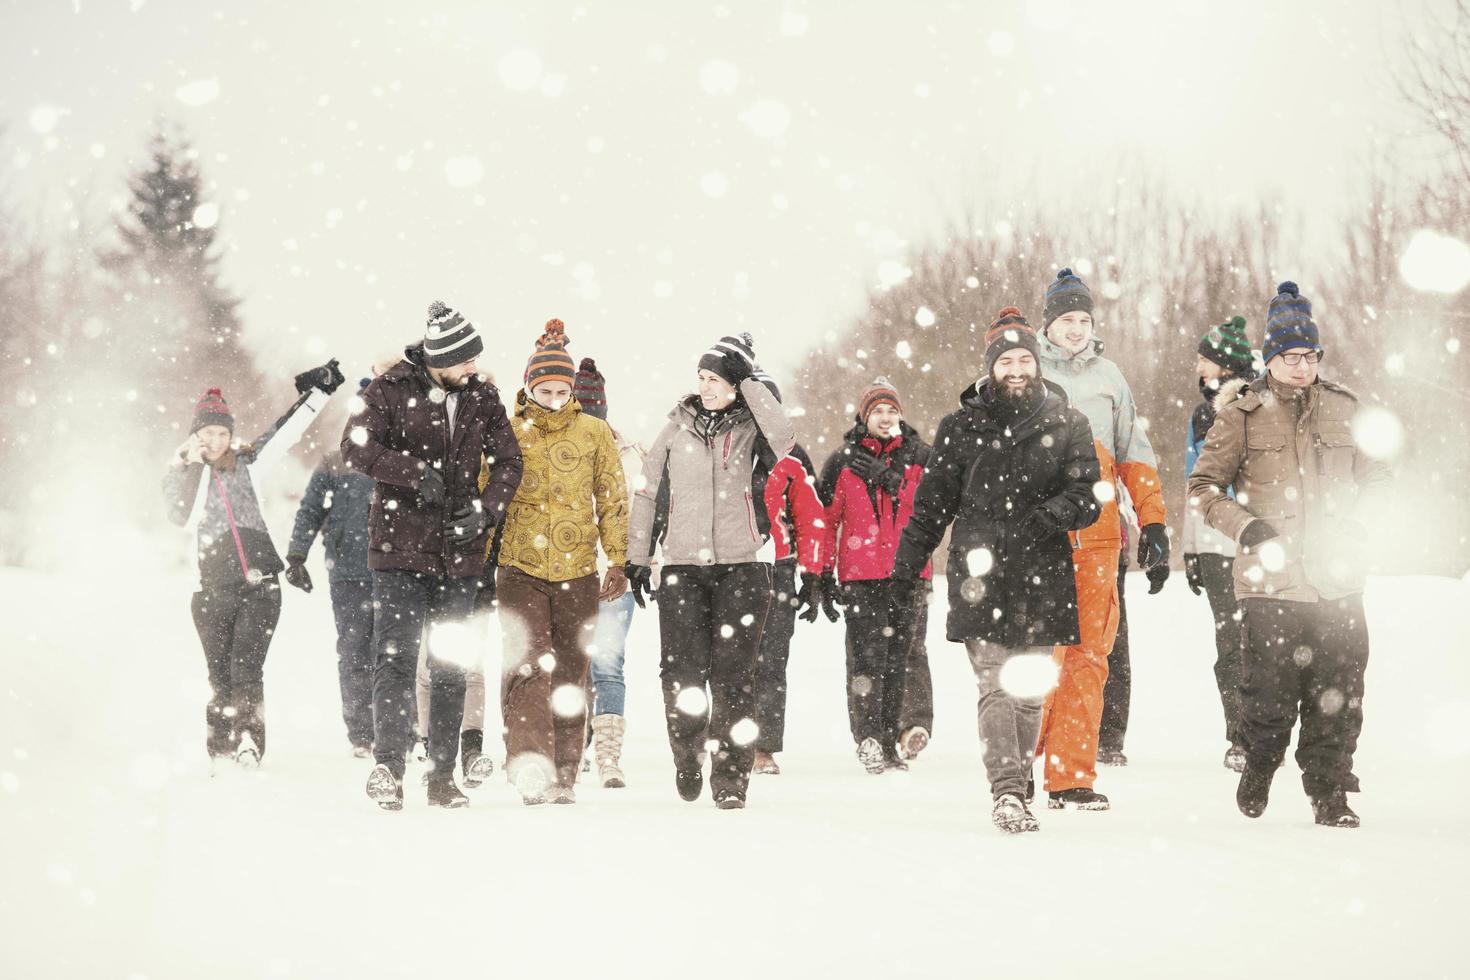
(404, 427)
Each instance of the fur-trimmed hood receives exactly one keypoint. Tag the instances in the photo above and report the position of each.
(1229, 392)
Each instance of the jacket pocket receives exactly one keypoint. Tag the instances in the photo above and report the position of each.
(1266, 458)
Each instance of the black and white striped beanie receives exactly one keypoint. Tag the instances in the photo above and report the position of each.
(450, 338)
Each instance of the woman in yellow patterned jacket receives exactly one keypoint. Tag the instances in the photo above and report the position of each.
(572, 495)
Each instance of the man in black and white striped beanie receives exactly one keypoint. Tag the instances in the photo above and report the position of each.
(450, 339)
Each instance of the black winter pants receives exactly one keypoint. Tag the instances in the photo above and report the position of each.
(710, 621)
(1307, 658)
(770, 676)
(1218, 572)
(406, 603)
(918, 683)
(235, 627)
(1118, 691)
(877, 662)
(352, 606)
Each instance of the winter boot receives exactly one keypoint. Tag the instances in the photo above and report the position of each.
(247, 755)
(532, 783)
(1108, 756)
(1030, 796)
(443, 792)
(561, 794)
(1009, 814)
(690, 783)
(419, 751)
(870, 754)
(729, 799)
(1081, 797)
(362, 751)
(476, 764)
(1029, 819)
(765, 764)
(913, 741)
(1333, 811)
(607, 745)
(1253, 791)
(893, 760)
(384, 788)
(1235, 758)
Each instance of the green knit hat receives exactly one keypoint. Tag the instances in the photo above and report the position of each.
(1226, 346)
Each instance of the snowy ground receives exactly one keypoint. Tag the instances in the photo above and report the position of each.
(122, 859)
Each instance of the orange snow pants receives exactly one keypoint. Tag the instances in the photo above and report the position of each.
(1073, 712)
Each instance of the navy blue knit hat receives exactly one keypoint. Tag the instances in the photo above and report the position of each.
(1066, 294)
(1289, 323)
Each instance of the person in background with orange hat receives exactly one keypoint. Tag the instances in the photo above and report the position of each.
(210, 488)
(572, 495)
(1071, 356)
(869, 486)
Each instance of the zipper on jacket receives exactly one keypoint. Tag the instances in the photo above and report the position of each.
(234, 531)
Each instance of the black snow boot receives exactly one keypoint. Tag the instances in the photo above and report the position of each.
(1081, 797)
(1109, 756)
(443, 792)
(729, 799)
(892, 760)
(384, 788)
(690, 783)
(476, 765)
(1333, 811)
(1030, 796)
(1254, 790)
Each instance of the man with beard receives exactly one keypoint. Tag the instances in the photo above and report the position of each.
(868, 486)
(1072, 357)
(425, 427)
(1013, 471)
(1224, 368)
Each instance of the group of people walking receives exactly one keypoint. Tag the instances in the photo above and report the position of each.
(444, 504)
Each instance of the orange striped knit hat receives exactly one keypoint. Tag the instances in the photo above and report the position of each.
(551, 362)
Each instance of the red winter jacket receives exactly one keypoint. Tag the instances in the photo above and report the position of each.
(796, 511)
(864, 523)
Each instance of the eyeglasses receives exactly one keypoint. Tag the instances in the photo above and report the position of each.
(1311, 357)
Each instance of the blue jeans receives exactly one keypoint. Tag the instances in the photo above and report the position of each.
(610, 638)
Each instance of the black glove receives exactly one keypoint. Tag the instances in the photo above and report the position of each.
(877, 472)
(1153, 547)
(327, 377)
(467, 524)
(485, 588)
(1192, 574)
(737, 358)
(1256, 533)
(431, 487)
(809, 597)
(1039, 523)
(296, 573)
(1157, 576)
(640, 581)
(831, 597)
(903, 592)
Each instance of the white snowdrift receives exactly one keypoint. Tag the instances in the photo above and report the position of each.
(122, 859)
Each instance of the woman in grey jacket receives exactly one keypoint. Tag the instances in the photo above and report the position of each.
(210, 489)
(710, 463)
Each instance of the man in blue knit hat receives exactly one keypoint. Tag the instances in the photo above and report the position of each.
(1304, 496)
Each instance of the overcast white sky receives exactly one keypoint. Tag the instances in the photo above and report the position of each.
(657, 174)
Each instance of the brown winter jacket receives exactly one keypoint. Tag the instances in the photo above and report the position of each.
(1291, 456)
(402, 428)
